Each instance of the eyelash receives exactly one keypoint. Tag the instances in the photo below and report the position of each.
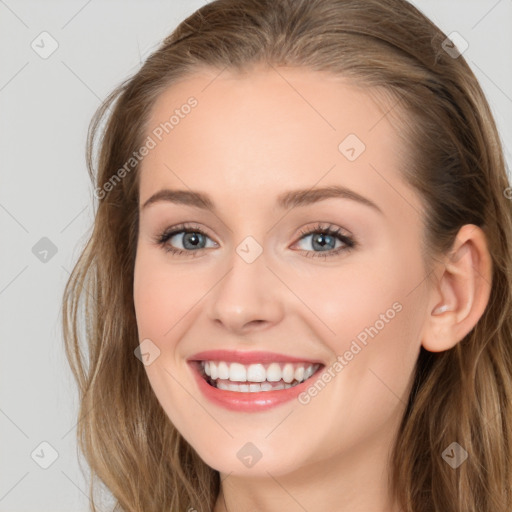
(350, 244)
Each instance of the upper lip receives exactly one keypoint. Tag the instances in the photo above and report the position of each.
(246, 357)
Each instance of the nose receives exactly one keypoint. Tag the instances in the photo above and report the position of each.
(248, 297)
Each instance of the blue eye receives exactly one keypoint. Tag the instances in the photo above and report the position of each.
(326, 236)
(192, 237)
(193, 240)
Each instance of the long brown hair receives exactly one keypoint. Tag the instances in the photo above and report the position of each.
(453, 157)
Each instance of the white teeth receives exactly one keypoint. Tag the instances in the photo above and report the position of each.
(288, 373)
(256, 373)
(251, 388)
(274, 372)
(223, 370)
(260, 377)
(308, 372)
(237, 372)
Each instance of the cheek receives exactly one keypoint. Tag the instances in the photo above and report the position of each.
(344, 301)
(162, 299)
(370, 309)
(162, 295)
(375, 320)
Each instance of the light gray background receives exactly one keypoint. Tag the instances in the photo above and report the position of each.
(46, 105)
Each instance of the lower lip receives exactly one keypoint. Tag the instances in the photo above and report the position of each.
(249, 402)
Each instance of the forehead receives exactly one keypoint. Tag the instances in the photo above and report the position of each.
(264, 101)
(269, 128)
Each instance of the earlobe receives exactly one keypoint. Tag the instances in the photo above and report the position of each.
(462, 291)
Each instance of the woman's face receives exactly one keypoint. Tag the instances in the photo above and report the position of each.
(268, 276)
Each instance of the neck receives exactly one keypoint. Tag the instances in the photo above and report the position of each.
(355, 482)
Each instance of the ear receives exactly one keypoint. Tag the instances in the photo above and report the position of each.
(464, 286)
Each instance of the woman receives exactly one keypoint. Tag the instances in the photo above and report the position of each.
(298, 286)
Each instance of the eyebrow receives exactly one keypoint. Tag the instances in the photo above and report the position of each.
(290, 199)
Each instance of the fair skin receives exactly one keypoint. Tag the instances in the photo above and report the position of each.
(250, 139)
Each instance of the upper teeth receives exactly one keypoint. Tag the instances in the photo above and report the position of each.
(272, 372)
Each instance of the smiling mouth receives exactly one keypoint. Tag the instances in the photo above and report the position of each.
(254, 378)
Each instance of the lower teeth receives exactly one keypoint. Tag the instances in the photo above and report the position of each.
(254, 387)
